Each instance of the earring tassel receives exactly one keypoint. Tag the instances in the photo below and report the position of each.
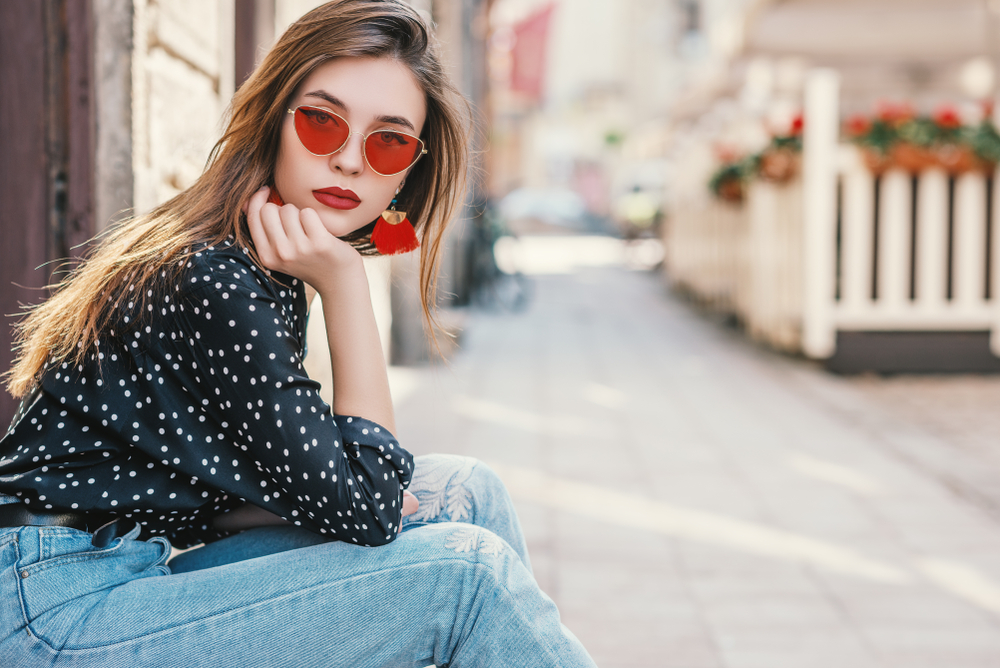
(275, 198)
(394, 234)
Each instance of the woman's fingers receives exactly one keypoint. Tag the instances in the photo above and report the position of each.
(315, 232)
(253, 205)
(294, 241)
(257, 199)
(253, 211)
(277, 232)
(277, 222)
(291, 224)
(410, 504)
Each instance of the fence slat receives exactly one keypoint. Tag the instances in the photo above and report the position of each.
(819, 183)
(893, 241)
(762, 221)
(932, 240)
(857, 235)
(994, 304)
(970, 235)
(790, 284)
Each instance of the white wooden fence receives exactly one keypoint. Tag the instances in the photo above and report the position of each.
(745, 260)
(844, 250)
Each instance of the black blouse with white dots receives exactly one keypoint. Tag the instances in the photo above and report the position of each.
(198, 407)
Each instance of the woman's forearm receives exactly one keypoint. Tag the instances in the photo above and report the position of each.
(360, 380)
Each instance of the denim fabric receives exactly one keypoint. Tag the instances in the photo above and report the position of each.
(447, 592)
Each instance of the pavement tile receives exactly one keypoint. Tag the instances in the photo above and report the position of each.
(910, 609)
(721, 585)
(824, 498)
(951, 659)
(978, 640)
(648, 645)
(785, 647)
(577, 537)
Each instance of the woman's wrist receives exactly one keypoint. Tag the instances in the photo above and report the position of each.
(347, 276)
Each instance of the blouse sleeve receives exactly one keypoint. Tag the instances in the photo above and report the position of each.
(240, 360)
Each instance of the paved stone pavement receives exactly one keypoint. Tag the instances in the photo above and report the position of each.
(693, 501)
(947, 425)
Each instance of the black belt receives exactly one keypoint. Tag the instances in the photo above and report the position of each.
(104, 527)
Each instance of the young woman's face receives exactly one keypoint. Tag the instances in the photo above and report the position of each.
(371, 94)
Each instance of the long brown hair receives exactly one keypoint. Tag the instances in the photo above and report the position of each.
(141, 257)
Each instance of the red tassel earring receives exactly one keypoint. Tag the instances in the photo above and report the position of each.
(275, 198)
(394, 232)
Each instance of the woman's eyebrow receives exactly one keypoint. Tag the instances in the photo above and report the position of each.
(395, 120)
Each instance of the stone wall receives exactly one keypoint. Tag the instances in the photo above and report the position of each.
(182, 82)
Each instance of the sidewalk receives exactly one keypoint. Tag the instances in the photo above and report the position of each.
(693, 501)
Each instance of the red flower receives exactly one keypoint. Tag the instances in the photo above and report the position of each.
(895, 113)
(726, 154)
(857, 125)
(946, 116)
(987, 106)
(797, 124)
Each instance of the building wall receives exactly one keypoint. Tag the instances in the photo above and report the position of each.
(183, 79)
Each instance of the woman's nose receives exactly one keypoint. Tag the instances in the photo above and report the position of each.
(349, 159)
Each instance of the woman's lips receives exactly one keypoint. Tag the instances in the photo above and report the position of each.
(337, 198)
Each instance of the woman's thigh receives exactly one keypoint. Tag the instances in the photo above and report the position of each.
(249, 544)
(445, 594)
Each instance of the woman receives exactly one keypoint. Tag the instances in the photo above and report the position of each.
(164, 396)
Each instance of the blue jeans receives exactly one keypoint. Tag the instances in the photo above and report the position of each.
(455, 588)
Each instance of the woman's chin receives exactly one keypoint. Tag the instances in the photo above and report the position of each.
(340, 227)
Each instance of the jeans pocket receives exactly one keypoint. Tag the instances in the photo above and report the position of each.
(61, 545)
(60, 589)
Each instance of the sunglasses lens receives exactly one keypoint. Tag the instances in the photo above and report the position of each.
(321, 132)
(391, 152)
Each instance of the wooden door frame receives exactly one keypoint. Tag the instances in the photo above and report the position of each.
(47, 157)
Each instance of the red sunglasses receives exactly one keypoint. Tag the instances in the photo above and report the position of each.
(387, 152)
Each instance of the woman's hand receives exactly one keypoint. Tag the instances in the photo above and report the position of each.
(410, 504)
(295, 242)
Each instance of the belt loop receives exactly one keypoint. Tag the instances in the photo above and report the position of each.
(106, 533)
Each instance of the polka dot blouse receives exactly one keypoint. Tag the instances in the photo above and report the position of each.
(199, 406)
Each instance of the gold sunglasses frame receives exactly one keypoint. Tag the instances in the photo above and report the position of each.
(364, 138)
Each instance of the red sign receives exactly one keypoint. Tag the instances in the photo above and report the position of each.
(528, 71)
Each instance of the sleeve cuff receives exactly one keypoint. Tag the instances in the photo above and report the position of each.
(359, 433)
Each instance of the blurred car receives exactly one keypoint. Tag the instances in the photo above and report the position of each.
(548, 211)
(638, 214)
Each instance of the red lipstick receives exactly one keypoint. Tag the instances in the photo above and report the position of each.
(337, 198)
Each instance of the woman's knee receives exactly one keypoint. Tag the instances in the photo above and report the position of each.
(433, 472)
(466, 551)
(484, 477)
(456, 488)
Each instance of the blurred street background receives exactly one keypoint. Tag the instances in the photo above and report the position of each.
(692, 500)
(721, 307)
